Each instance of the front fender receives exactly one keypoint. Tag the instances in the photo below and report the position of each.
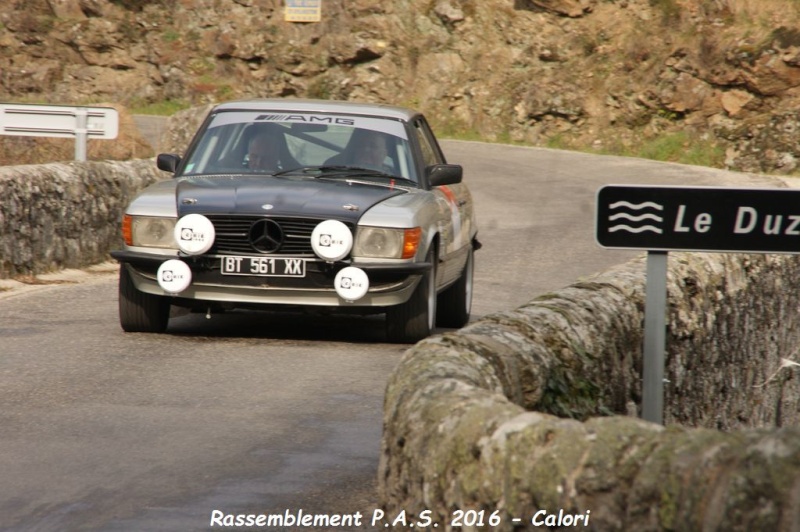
(416, 209)
(156, 200)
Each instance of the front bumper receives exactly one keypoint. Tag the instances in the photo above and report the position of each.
(390, 284)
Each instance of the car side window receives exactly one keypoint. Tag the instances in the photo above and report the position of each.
(430, 155)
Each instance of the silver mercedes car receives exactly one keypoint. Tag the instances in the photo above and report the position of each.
(303, 204)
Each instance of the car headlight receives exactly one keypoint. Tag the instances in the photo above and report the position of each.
(149, 231)
(387, 243)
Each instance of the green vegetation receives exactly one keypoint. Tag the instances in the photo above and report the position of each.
(201, 66)
(322, 88)
(670, 10)
(454, 129)
(209, 88)
(171, 35)
(676, 147)
(558, 142)
(571, 395)
(225, 92)
(454, 133)
(163, 108)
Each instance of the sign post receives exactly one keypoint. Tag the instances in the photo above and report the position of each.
(655, 333)
(663, 219)
(80, 123)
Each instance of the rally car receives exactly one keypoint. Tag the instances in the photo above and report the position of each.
(303, 204)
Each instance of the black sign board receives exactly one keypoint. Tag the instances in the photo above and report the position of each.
(699, 219)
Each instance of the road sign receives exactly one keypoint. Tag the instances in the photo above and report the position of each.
(718, 219)
(62, 121)
(303, 11)
(662, 219)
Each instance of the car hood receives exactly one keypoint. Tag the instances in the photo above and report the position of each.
(279, 196)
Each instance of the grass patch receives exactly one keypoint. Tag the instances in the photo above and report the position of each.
(450, 129)
(676, 147)
(682, 147)
(171, 35)
(455, 130)
(560, 142)
(670, 11)
(162, 108)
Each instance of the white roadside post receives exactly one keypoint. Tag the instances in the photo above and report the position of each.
(60, 121)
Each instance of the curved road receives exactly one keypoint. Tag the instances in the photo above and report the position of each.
(255, 412)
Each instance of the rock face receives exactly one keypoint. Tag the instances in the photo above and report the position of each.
(579, 73)
(501, 416)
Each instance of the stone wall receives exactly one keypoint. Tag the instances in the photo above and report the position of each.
(510, 414)
(68, 215)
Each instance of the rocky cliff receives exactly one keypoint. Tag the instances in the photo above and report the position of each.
(719, 78)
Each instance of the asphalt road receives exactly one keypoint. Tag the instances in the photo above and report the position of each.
(259, 412)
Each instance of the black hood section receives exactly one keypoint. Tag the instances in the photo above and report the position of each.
(278, 196)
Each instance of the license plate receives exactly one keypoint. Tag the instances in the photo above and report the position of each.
(263, 266)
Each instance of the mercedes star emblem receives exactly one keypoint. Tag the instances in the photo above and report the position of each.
(266, 236)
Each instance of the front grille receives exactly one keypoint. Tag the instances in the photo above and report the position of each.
(232, 234)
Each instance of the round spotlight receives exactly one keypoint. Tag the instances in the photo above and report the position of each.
(194, 234)
(351, 283)
(174, 276)
(331, 240)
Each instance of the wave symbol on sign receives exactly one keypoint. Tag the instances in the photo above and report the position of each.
(635, 218)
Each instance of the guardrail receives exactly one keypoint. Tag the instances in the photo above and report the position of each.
(60, 121)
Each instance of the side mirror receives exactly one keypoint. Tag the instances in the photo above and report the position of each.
(444, 174)
(168, 162)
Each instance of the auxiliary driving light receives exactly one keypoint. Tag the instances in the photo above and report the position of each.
(331, 240)
(194, 234)
(351, 283)
(174, 276)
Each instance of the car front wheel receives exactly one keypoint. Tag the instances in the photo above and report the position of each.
(139, 311)
(455, 303)
(415, 319)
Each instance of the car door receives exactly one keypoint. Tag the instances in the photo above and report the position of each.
(455, 237)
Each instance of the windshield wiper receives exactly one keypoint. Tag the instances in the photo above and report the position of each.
(375, 174)
(338, 171)
(307, 170)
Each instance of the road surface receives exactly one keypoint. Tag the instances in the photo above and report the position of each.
(259, 412)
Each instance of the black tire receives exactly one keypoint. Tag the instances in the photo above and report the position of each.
(415, 319)
(455, 303)
(138, 311)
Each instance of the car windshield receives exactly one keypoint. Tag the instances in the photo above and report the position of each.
(277, 143)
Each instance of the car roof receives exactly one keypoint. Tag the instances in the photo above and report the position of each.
(319, 106)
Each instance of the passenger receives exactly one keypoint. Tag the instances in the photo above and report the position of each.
(263, 152)
(372, 153)
(365, 149)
